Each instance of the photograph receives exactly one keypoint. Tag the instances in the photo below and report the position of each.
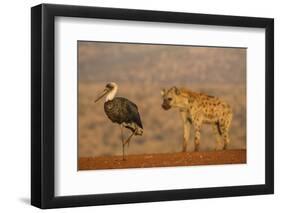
(160, 105)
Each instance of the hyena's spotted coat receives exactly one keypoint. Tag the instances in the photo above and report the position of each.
(196, 109)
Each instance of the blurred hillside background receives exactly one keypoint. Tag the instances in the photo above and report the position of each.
(141, 71)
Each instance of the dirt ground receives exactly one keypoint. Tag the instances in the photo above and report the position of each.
(164, 160)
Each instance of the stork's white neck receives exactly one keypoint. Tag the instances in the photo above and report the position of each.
(111, 94)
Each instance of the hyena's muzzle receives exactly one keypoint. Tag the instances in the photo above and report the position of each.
(166, 104)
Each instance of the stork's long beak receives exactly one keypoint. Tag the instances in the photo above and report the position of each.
(104, 92)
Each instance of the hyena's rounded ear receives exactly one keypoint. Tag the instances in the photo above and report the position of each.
(163, 91)
(177, 91)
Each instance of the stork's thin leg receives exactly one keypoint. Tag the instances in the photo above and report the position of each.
(123, 144)
(130, 137)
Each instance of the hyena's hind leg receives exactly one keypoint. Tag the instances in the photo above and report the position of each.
(217, 134)
(224, 127)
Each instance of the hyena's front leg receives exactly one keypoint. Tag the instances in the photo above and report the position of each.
(224, 127)
(186, 129)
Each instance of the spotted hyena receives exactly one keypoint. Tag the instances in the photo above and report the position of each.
(196, 109)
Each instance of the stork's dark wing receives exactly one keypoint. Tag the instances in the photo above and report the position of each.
(121, 110)
(134, 113)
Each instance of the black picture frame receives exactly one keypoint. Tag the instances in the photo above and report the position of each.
(43, 105)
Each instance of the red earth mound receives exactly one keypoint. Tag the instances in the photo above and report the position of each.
(164, 160)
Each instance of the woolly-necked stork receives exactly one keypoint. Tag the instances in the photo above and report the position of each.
(122, 111)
